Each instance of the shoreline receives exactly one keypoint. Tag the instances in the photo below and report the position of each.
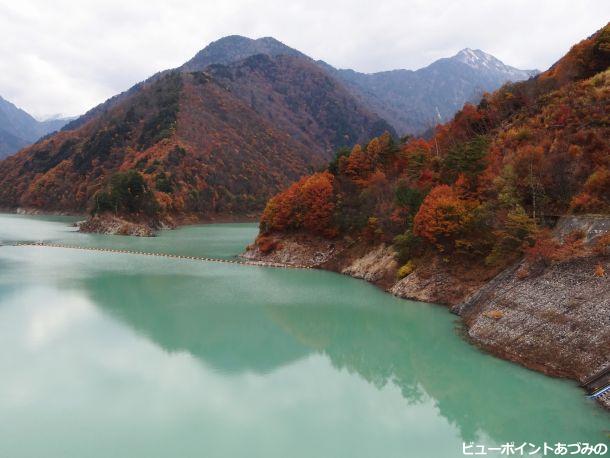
(535, 333)
(377, 266)
(180, 221)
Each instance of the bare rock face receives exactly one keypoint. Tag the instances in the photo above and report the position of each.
(417, 287)
(591, 226)
(114, 225)
(293, 250)
(554, 319)
(375, 266)
(435, 283)
(557, 322)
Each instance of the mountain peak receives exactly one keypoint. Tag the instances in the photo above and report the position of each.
(270, 40)
(236, 47)
(230, 39)
(477, 58)
(482, 61)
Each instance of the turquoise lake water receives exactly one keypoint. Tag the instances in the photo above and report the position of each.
(119, 355)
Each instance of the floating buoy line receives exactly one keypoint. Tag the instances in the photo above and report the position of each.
(245, 262)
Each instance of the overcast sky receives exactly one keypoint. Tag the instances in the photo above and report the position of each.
(65, 56)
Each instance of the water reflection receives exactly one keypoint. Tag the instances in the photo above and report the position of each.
(118, 355)
(84, 384)
(391, 343)
(184, 313)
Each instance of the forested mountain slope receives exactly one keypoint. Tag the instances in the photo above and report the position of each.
(201, 143)
(196, 147)
(482, 190)
(504, 214)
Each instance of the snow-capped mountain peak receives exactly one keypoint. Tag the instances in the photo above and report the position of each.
(481, 60)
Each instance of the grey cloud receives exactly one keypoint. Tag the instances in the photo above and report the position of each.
(66, 56)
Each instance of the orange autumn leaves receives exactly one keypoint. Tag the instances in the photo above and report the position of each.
(482, 186)
(308, 205)
(595, 195)
(443, 215)
(361, 164)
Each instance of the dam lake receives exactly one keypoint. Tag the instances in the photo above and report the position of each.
(125, 355)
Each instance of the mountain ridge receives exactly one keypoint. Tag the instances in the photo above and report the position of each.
(388, 101)
(295, 101)
(384, 92)
(19, 129)
(414, 101)
(202, 143)
(503, 214)
(477, 58)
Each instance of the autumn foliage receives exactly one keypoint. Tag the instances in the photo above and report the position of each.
(308, 204)
(549, 249)
(219, 142)
(442, 215)
(486, 185)
(199, 149)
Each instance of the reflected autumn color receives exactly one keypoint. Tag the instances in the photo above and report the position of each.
(385, 341)
(164, 354)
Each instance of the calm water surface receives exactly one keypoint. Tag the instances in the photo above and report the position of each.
(116, 355)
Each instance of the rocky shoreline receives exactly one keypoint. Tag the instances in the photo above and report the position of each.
(556, 321)
(110, 224)
(436, 282)
(115, 225)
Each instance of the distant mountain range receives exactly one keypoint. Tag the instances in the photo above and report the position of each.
(235, 124)
(411, 101)
(19, 129)
(416, 101)
(282, 85)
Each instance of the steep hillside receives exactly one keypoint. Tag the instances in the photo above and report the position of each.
(300, 99)
(18, 129)
(480, 192)
(9, 143)
(435, 220)
(555, 320)
(200, 150)
(207, 143)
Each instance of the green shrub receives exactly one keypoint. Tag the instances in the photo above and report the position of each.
(517, 233)
(467, 158)
(163, 183)
(407, 246)
(409, 197)
(126, 193)
(333, 167)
